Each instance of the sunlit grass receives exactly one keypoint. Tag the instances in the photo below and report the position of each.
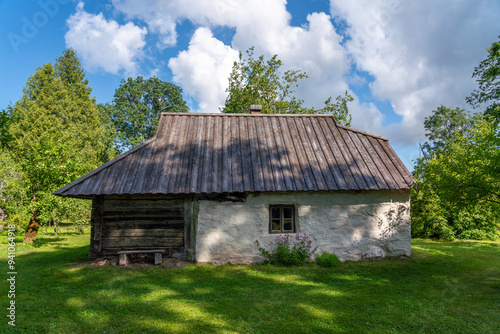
(445, 287)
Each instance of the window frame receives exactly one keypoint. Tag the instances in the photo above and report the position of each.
(282, 207)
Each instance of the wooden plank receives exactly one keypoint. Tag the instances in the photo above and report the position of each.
(313, 165)
(97, 218)
(130, 205)
(305, 167)
(355, 148)
(195, 147)
(226, 156)
(351, 165)
(311, 127)
(217, 157)
(205, 178)
(399, 167)
(168, 154)
(265, 159)
(246, 161)
(187, 224)
(332, 154)
(143, 168)
(184, 153)
(293, 159)
(143, 232)
(147, 212)
(257, 169)
(142, 251)
(282, 152)
(381, 159)
(369, 157)
(274, 163)
(158, 160)
(160, 224)
(134, 165)
(142, 242)
(393, 177)
(101, 181)
(236, 163)
(124, 172)
(175, 155)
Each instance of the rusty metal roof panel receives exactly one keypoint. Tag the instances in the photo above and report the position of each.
(219, 153)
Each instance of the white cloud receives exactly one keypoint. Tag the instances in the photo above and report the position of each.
(203, 69)
(104, 44)
(314, 48)
(421, 53)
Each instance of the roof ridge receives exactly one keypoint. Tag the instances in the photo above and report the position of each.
(275, 115)
(242, 115)
(100, 168)
(362, 132)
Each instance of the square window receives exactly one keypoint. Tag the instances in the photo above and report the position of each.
(281, 219)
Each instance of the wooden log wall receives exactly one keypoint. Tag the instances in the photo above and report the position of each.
(133, 224)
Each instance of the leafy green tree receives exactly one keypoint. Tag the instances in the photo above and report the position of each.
(259, 81)
(458, 187)
(13, 196)
(441, 127)
(4, 129)
(469, 172)
(137, 106)
(56, 136)
(487, 75)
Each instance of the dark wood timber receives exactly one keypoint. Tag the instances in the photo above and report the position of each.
(137, 225)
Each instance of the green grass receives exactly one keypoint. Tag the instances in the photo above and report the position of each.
(445, 287)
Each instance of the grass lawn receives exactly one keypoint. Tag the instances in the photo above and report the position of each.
(445, 287)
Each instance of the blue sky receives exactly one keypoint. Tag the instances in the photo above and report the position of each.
(399, 59)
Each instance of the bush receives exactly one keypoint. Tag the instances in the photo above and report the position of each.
(19, 220)
(287, 252)
(327, 260)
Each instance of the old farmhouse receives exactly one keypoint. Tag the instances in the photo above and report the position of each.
(211, 187)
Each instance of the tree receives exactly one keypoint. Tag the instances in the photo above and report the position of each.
(72, 75)
(137, 106)
(4, 129)
(257, 81)
(469, 172)
(458, 184)
(442, 125)
(56, 136)
(487, 75)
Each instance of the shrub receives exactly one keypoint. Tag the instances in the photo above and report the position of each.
(288, 252)
(327, 260)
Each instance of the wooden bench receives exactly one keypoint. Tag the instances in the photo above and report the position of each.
(124, 255)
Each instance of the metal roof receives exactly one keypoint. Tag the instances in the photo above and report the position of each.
(195, 153)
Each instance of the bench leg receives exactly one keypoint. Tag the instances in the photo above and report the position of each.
(123, 259)
(158, 258)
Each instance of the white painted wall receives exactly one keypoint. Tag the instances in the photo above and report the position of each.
(352, 225)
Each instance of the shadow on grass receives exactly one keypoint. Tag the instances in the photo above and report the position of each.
(427, 293)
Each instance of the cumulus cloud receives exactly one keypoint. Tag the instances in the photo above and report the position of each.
(104, 44)
(265, 24)
(421, 53)
(203, 69)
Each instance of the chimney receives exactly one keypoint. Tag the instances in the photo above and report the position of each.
(255, 109)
